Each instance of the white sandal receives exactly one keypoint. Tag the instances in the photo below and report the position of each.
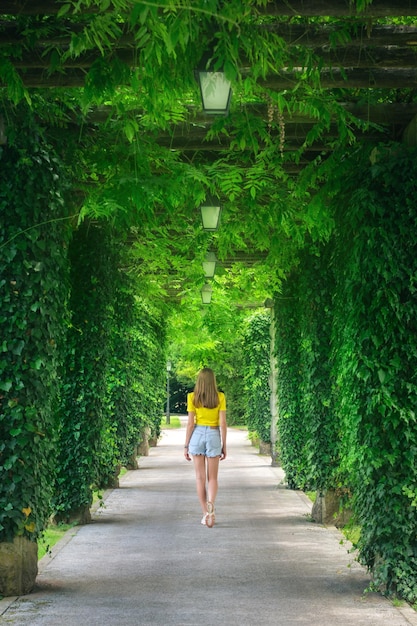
(210, 517)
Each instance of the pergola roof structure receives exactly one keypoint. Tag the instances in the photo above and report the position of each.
(375, 56)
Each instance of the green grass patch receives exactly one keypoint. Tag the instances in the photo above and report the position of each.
(97, 498)
(51, 536)
(253, 438)
(312, 495)
(352, 533)
(174, 422)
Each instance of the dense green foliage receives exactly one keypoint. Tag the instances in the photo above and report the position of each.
(72, 324)
(257, 370)
(137, 376)
(125, 170)
(308, 427)
(34, 290)
(210, 338)
(345, 315)
(291, 425)
(316, 384)
(377, 360)
(86, 438)
(112, 386)
(347, 362)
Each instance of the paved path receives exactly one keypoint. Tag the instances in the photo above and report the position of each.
(146, 560)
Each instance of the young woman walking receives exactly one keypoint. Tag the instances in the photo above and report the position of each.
(205, 439)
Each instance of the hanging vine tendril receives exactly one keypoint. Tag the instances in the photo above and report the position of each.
(275, 115)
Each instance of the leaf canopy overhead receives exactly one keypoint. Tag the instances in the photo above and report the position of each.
(116, 79)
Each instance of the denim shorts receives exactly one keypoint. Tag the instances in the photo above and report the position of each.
(205, 440)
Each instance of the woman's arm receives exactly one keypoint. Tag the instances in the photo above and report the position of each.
(223, 432)
(188, 433)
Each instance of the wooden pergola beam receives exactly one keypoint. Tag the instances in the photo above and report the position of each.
(35, 7)
(292, 144)
(307, 35)
(391, 113)
(305, 8)
(340, 8)
(366, 57)
(36, 60)
(348, 78)
(314, 35)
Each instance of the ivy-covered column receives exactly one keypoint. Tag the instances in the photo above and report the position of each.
(114, 379)
(150, 363)
(273, 374)
(34, 287)
(256, 341)
(87, 457)
(137, 377)
(124, 370)
(291, 427)
(316, 289)
(375, 347)
(308, 426)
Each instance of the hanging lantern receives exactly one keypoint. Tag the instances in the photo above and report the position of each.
(215, 92)
(209, 265)
(210, 213)
(206, 293)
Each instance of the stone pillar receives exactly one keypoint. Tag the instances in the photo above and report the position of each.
(133, 464)
(265, 448)
(18, 566)
(153, 441)
(143, 448)
(80, 515)
(327, 509)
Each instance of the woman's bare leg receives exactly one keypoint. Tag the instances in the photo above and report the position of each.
(212, 478)
(200, 475)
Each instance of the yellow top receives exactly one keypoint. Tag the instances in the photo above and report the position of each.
(203, 415)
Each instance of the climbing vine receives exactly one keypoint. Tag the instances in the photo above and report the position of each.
(309, 433)
(256, 368)
(316, 384)
(347, 360)
(113, 386)
(345, 342)
(291, 425)
(377, 359)
(34, 288)
(86, 457)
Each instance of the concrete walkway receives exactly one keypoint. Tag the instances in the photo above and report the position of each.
(147, 560)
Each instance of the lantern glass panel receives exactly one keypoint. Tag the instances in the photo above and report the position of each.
(206, 293)
(210, 215)
(209, 265)
(215, 92)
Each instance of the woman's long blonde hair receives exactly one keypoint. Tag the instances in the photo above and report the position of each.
(205, 390)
